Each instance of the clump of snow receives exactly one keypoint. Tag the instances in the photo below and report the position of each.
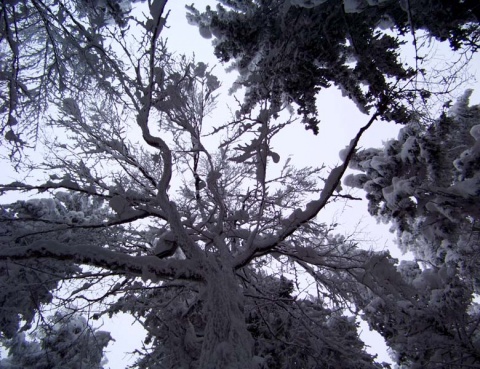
(428, 280)
(375, 305)
(399, 189)
(475, 132)
(355, 180)
(409, 269)
(344, 152)
(405, 132)
(461, 106)
(370, 187)
(380, 164)
(408, 150)
(446, 211)
(275, 156)
(205, 32)
(467, 160)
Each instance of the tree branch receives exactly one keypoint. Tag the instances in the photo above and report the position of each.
(149, 267)
(299, 217)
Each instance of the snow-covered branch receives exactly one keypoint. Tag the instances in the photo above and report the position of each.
(147, 267)
(299, 217)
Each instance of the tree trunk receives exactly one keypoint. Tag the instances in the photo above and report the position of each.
(227, 343)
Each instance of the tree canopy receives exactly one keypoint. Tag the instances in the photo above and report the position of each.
(286, 51)
(203, 232)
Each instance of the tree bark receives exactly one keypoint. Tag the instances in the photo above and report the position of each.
(227, 342)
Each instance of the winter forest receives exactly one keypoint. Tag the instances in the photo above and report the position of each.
(130, 193)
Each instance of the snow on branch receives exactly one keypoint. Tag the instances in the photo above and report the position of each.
(299, 217)
(66, 184)
(148, 267)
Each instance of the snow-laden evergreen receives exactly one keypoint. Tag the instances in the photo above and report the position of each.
(426, 184)
(64, 340)
(286, 51)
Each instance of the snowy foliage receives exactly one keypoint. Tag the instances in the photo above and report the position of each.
(287, 51)
(427, 185)
(63, 340)
(426, 316)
